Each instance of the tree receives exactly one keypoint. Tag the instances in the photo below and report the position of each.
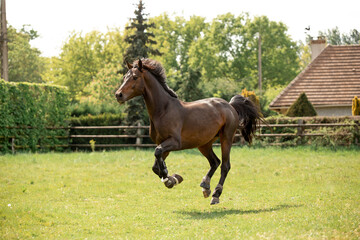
(140, 41)
(228, 49)
(25, 63)
(140, 38)
(175, 37)
(101, 90)
(334, 37)
(189, 88)
(302, 107)
(82, 57)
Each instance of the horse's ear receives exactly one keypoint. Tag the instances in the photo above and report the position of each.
(140, 65)
(129, 66)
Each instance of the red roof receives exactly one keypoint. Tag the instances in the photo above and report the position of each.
(331, 79)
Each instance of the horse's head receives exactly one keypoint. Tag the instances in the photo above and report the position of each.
(133, 84)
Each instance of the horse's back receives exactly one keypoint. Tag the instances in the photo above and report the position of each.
(210, 108)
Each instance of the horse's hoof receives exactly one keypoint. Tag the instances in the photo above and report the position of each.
(177, 178)
(169, 183)
(206, 192)
(214, 200)
(172, 181)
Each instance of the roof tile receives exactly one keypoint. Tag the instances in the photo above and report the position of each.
(333, 78)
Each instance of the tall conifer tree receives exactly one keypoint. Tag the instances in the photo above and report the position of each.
(140, 40)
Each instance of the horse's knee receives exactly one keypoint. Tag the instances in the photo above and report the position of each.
(216, 163)
(158, 152)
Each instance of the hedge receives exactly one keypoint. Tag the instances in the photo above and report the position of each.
(27, 109)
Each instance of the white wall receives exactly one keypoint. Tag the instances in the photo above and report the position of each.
(334, 111)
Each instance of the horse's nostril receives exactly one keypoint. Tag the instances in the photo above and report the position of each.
(118, 95)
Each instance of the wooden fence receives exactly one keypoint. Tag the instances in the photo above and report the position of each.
(299, 131)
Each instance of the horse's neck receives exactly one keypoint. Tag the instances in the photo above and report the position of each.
(155, 96)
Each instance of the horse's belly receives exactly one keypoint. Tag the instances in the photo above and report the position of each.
(198, 136)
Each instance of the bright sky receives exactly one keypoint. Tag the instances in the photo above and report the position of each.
(56, 19)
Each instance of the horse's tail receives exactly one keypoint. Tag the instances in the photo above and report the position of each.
(249, 116)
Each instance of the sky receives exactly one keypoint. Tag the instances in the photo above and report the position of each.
(55, 20)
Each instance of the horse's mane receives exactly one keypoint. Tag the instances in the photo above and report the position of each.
(158, 71)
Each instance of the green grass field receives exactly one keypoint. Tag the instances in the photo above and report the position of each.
(270, 193)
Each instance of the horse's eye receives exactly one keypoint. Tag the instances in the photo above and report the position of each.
(135, 78)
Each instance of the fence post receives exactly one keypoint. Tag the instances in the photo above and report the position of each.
(357, 133)
(13, 145)
(300, 130)
(138, 138)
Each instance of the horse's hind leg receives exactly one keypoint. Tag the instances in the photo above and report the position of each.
(214, 162)
(226, 143)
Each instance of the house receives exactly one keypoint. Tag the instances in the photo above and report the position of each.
(330, 81)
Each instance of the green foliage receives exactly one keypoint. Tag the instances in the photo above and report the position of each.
(25, 63)
(228, 48)
(355, 106)
(329, 136)
(334, 37)
(252, 96)
(101, 90)
(268, 96)
(32, 105)
(189, 88)
(104, 119)
(224, 52)
(140, 40)
(202, 59)
(86, 108)
(302, 107)
(82, 58)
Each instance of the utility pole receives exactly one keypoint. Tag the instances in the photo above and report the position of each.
(4, 40)
(259, 64)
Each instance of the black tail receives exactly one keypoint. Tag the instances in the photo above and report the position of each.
(249, 116)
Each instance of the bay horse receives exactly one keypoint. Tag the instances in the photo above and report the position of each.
(177, 125)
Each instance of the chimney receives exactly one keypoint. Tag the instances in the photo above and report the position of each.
(317, 46)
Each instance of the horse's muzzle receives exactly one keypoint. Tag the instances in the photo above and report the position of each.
(119, 97)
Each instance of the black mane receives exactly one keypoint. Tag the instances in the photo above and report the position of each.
(158, 71)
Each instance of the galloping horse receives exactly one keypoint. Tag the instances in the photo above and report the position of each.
(177, 125)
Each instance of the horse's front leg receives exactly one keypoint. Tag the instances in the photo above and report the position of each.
(161, 152)
(156, 167)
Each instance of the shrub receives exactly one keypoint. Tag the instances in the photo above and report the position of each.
(26, 110)
(87, 108)
(355, 106)
(252, 96)
(302, 107)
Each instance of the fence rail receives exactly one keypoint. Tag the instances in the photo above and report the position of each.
(299, 130)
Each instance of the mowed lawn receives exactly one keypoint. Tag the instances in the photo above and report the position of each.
(270, 193)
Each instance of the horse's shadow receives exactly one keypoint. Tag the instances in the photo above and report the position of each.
(218, 213)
